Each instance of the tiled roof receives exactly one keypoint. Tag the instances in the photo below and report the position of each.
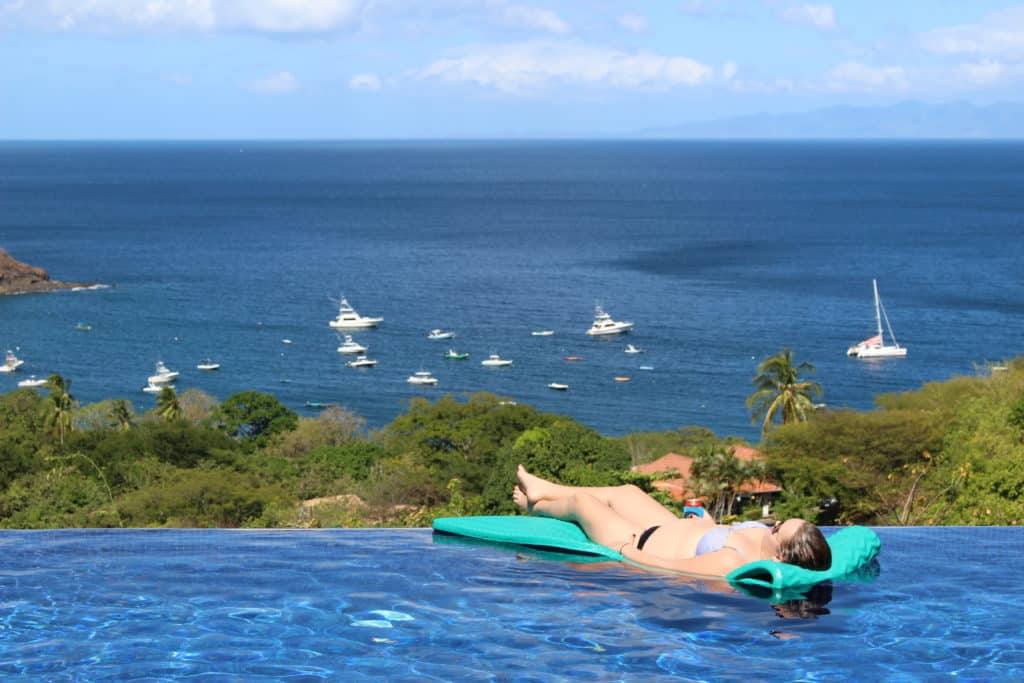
(678, 464)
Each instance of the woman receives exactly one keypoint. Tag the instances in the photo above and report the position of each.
(626, 519)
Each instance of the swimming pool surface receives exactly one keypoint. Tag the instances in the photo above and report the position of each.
(400, 605)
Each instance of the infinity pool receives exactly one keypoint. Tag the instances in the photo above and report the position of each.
(400, 605)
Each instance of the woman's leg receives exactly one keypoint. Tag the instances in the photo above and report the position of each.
(628, 501)
(601, 523)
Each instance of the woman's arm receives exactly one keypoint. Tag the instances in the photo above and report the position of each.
(718, 563)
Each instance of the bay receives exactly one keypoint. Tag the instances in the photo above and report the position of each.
(721, 253)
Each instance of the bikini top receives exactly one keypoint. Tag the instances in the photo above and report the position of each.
(714, 539)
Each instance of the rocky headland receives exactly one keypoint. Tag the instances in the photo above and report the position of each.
(20, 278)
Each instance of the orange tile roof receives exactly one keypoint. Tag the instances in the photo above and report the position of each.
(678, 487)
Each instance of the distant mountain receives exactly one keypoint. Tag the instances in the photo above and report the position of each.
(904, 120)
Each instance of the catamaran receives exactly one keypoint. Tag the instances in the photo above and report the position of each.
(875, 347)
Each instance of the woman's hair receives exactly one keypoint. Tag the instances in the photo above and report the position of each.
(807, 548)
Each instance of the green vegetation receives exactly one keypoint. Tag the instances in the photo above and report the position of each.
(948, 453)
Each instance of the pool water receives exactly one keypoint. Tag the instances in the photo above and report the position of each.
(362, 605)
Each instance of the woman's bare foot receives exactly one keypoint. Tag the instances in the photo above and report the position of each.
(533, 487)
(519, 498)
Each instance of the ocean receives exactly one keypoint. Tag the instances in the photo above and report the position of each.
(720, 253)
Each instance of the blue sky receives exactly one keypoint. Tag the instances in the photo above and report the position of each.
(172, 69)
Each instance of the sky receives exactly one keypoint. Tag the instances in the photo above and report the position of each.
(404, 69)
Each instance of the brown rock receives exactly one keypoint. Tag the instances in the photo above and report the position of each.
(20, 278)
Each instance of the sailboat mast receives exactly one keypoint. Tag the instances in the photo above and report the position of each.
(878, 314)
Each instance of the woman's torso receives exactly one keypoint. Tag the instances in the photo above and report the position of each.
(681, 538)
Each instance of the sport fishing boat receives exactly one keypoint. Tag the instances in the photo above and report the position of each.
(495, 361)
(163, 375)
(422, 377)
(351, 346)
(349, 319)
(11, 363)
(603, 324)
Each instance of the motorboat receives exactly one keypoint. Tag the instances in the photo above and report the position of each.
(455, 355)
(351, 346)
(621, 379)
(648, 368)
(11, 363)
(361, 362)
(163, 375)
(153, 388)
(208, 365)
(542, 333)
(572, 359)
(286, 341)
(630, 349)
(558, 386)
(495, 361)
(440, 334)
(84, 327)
(349, 319)
(603, 324)
(422, 377)
(875, 347)
(32, 381)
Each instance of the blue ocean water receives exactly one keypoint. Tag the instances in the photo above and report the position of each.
(397, 605)
(721, 253)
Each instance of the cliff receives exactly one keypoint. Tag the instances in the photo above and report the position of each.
(20, 278)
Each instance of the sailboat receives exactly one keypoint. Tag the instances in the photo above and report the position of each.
(875, 347)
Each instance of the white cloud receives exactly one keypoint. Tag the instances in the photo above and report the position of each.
(528, 67)
(364, 82)
(1000, 34)
(729, 70)
(109, 16)
(821, 17)
(275, 84)
(532, 18)
(858, 77)
(637, 23)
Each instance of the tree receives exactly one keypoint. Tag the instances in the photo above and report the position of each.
(718, 474)
(780, 393)
(123, 413)
(254, 417)
(167, 405)
(59, 406)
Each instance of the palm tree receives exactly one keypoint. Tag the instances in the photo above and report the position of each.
(122, 412)
(780, 393)
(717, 474)
(167, 405)
(59, 405)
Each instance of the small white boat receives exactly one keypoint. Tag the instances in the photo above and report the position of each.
(208, 365)
(542, 333)
(361, 362)
(163, 375)
(440, 334)
(286, 341)
(647, 367)
(349, 319)
(84, 327)
(11, 363)
(495, 361)
(422, 377)
(152, 388)
(351, 346)
(558, 386)
(633, 349)
(603, 324)
(875, 347)
(32, 381)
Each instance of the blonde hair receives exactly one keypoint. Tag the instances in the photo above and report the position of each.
(807, 548)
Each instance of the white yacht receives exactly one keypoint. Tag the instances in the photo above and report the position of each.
(542, 333)
(361, 362)
(32, 381)
(163, 375)
(208, 365)
(153, 388)
(603, 324)
(11, 363)
(495, 361)
(349, 319)
(875, 347)
(558, 386)
(422, 377)
(436, 334)
(351, 346)
(630, 349)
